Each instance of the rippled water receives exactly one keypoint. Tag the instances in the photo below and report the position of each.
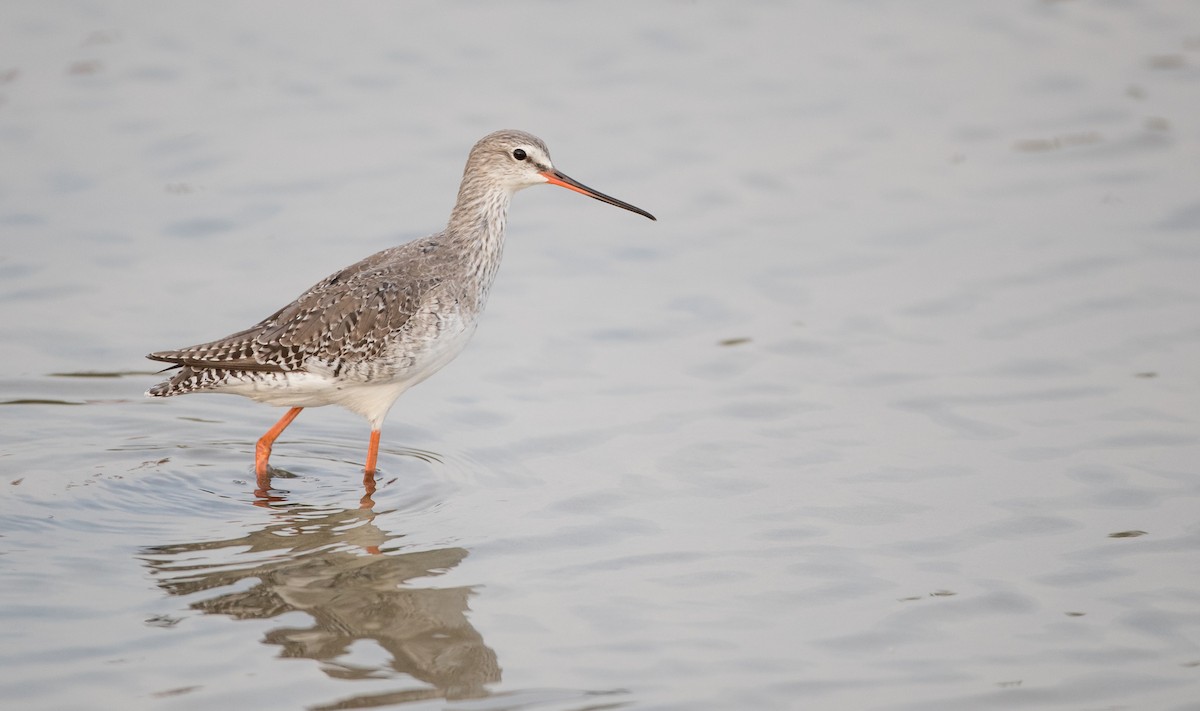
(897, 406)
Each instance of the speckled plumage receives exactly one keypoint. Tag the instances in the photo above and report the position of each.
(373, 322)
(365, 334)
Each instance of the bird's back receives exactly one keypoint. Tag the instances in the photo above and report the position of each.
(355, 324)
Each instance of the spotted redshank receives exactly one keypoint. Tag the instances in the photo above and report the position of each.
(367, 333)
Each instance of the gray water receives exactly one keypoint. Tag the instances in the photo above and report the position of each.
(897, 406)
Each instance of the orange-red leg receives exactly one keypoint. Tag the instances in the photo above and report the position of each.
(372, 454)
(262, 451)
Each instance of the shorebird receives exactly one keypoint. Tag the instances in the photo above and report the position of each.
(363, 335)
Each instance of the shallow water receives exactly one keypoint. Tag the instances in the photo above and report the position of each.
(897, 406)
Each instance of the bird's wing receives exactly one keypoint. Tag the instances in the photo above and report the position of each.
(347, 315)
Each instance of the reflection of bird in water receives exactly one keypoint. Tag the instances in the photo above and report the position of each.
(311, 564)
(367, 333)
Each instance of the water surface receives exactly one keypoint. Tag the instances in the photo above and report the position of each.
(896, 407)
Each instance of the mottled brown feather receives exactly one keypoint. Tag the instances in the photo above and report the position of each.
(346, 316)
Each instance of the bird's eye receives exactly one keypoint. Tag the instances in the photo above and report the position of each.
(519, 154)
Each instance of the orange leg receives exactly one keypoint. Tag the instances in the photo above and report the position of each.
(372, 453)
(262, 452)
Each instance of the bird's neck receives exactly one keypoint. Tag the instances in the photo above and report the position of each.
(476, 228)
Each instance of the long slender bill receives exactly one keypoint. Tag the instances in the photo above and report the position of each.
(555, 177)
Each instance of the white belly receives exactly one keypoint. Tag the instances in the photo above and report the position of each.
(368, 389)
